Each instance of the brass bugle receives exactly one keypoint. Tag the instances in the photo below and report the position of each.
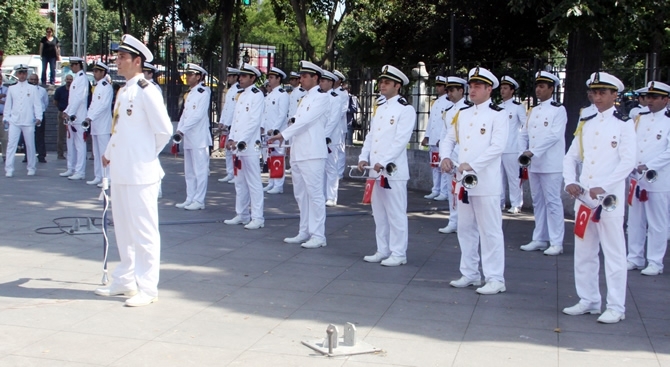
(469, 180)
(524, 161)
(391, 169)
(363, 174)
(607, 201)
(86, 125)
(650, 175)
(241, 146)
(177, 138)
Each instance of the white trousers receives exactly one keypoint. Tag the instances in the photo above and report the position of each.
(389, 208)
(196, 170)
(308, 177)
(332, 180)
(14, 134)
(453, 205)
(441, 180)
(277, 182)
(481, 222)
(99, 145)
(76, 150)
(648, 221)
(341, 156)
(510, 180)
(545, 189)
(229, 163)
(249, 189)
(135, 213)
(608, 235)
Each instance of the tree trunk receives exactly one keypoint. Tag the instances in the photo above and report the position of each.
(584, 58)
(227, 9)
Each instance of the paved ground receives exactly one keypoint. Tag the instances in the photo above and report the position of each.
(233, 297)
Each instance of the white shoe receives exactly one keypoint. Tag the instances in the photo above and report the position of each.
(611, 316)
(255, 224)
(226, 179)
(432, 195)
(31, 172)
(652, 269)
(376, 258)
(632, 266)
(331, 203)
(492, 287)
(288, 170)
(535, 245)
(237, 220)
(276, 190)
(195, 206)
(100, 185)
(314, 243)
(232, 180)
(448, 229)
(94, 181)
(115, 291)
(67, 173)
(580, 309)
(9, 174)
(183, 205)
(514, 210)
(553, 250)
(140, 299)
(463, 282)
(394, 261)
(76, 176)
(441, 198)
(297, 239)
(267, 188)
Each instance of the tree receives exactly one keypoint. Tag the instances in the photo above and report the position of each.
(102, 25)
(22, 26)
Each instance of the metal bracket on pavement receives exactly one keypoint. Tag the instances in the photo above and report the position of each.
(84, 226)
(347, 345)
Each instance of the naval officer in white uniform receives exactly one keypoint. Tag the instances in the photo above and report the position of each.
(100, 119)
(194, 128)
(308, 158)
(441, 105)
(140, 129)
(480, 130)
(275, 119)
(74, 114)
(150, 71)
(226, 118)
(516, 113)
(333, 137)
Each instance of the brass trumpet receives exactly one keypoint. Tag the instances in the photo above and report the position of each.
(177, 138)
(469, 180)
(650, 175)
(391, 169)
(524, 161)
(607, 201)
(86, 124)
(242, 146)
(364, 173)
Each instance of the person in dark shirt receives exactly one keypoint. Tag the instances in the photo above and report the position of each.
(61, 97)
(50, 53)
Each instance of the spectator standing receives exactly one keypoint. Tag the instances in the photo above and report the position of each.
(40, 145)
(60, 100)
(50, 53)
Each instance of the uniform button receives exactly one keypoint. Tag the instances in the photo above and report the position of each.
(467, 137)
(593, 162)
(113, 145)
(597, 133)
(375, 152)
(641, 151)
(376, 140)
(475, 113)
(471, 124)
(533, 137)
(645, 139)
(590, 177)
(595, 147)
(465, 149)
(379, 129)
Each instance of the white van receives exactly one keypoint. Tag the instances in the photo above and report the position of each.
(34, 63)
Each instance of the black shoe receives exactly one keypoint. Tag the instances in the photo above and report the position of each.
(24, 160)
(42, 160)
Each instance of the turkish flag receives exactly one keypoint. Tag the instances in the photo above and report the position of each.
(631, 191)
(222, 141)
(453, 185)
(367, 194)
(434, 159)
(237, 163)
(175, 149)
(582, 220)
(276, 163)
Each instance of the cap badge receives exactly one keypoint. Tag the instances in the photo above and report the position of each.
(546, 123)
(386, 69)
(392, 120)
(476, 71)
(614, 144)
(651, 86)
(129, 112)
(482, 131)
(596, 78)
(658, 136)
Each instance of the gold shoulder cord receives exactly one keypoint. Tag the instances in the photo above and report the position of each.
(455, 124)
(579, 134)
(530, 110)
(115, 116)
(637, 122)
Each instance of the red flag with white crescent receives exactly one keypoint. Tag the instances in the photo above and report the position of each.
(276, 163)
(369, 186)
(631, 191)
(582, 220)
(222, 141)
(434, 159)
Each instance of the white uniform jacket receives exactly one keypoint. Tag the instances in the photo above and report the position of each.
(481, 133)
(332, 129)
(155, 84)
(22, 105)
(78, 99)
(307, 133)
(390, 131)
(516, 114)
(294, 99)
(343, 95)
(140, 129)
(275, 114)
(447, 119)
(247, 119)
(438, 110)
(587, 111)
(635, 111)
(229, 105)
(43, 97)
(100, 111)
(194, 120)
(653, 148)
(544, 135)
(605, 145)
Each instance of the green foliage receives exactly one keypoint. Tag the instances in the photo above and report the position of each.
(102, 23)
(263, 28)
(22, 26)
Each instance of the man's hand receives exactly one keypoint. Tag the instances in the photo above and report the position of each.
(279, 137)
(180, 133)
(464, 167)
(362, 165)
(262, 131)
(38, 122)
(447, 165)
(574, 190)
(424, 142)
(378, 167)
(105, 161)
(594, 192)
(528, 154)
(230, 144)
(641, 168)
(66, 116)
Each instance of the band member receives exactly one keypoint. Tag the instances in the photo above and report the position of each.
(140, 129)
(343, 96)
(591, 108)
(23, 111)
(74, 114)
(227, 118)
(296, 94)
(456, 93)
(150, 70)
(604, 147)
(481, 132)
(386, 144)
(245, 130)
(333, 137)
(194, 129)
(648, 215)
(308, 158)
(441, 181)
(275, 117)
(516, 113)
(642, 103)
(543, 140)
(40, 144)
(99, 118)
